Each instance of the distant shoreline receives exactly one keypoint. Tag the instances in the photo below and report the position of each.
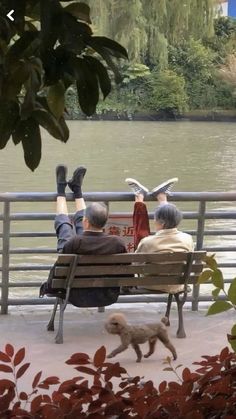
(197, 115)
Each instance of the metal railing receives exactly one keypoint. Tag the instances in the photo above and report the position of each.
(8, 218)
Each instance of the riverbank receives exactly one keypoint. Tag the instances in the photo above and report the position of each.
(196, 115)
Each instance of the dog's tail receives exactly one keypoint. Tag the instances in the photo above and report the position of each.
(165, 321)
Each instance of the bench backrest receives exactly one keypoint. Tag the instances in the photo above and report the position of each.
(80, 271)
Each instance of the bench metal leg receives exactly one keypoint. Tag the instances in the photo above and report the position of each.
(180, 302)
(170, 298)
(101, 309)
(50, 326)
(59, 336)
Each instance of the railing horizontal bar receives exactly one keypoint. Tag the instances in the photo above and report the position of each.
(227, 265)
(32, 234)
(25, 284)
(220, 248)
(187, 215)
(35, 250)
(28, 284)
(30, 301)
(20, 251)
(37, 234)
(122, 299)
(115, 196)
(216, 232)
(30, 268)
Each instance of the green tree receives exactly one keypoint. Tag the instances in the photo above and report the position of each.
(166, 92)
(196, 63)
(44, 51)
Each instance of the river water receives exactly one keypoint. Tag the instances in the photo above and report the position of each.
(201, 154)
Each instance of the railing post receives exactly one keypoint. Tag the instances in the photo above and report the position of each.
(199, 245)
(5, 257)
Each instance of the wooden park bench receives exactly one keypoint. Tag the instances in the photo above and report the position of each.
(80, 271)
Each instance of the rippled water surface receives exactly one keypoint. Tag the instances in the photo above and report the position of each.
(201, 154)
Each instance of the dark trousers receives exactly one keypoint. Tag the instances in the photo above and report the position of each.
(67, 228)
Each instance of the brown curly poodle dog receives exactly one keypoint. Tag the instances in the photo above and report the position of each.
(134, 335)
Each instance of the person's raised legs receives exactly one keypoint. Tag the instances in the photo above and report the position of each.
(63, 226)
(61, 204)
(140, 213)
(75, 184)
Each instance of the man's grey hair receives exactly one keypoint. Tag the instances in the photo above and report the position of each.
(168, 215)
(97, 214)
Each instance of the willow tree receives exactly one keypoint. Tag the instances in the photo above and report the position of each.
(47, 48)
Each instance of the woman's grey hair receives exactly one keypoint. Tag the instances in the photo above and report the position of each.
(168, 215)
(97, 214)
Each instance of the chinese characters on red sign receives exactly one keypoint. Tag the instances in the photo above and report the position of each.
(123, 227)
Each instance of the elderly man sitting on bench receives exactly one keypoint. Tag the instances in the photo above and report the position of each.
(167, 218)
(83, 235)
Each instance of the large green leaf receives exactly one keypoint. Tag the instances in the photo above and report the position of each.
(114, 48)
(9, 116)
(56, 99)
(24, 47)
(19, 11)
(232, 292)
(79, 10)
(64, 128)
(87, 86)
(217, 279)
(73, 34)
(20, 73)
(101, 71)
(215, 293)
(31, 142)
(104, 52)
(219, 307)
(232, 337)
(32, 86)
(211, 262)
(205, 276)
(33, 9)
(51, 13)
(5, 30)
(50, 123)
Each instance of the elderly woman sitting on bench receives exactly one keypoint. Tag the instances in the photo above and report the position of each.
(167, 218)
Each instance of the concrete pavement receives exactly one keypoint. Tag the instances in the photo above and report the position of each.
(84, 332)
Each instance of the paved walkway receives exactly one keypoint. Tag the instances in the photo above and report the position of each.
(84, 332)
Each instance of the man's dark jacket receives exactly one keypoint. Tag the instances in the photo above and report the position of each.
(89, 243)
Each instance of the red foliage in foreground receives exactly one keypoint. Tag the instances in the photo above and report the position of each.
(210, 392)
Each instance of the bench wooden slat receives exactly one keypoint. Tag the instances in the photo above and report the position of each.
(101, 270)
(123, 258)
(170, 268)
(126, 281)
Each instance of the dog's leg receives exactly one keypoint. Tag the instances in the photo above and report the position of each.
(167, 314)
(116, 351)
(164, 338)
(152, 344)
(138, 351)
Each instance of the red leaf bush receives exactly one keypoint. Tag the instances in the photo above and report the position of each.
(209, 392)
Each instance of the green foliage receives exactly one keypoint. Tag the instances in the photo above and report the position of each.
(192, 59)
(224, 27)
(166, 92)
(167, 35)
(214, 274)
(105, 390)
(38, 66)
